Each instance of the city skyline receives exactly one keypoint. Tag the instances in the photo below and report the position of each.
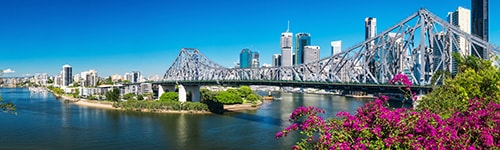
(114, 37)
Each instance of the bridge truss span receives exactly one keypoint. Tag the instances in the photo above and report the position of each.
(419, 46)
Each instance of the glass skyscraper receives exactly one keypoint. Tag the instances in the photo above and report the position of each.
(249, 59)
(302, 39)
(245, 58)
(67, 75)
(480, 25)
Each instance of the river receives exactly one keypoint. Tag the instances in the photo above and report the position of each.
(44, 122)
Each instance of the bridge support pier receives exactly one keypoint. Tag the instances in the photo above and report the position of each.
(193, 89)
(162, 89)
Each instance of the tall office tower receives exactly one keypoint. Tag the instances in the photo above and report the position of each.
(370, 27)
(136, 77)
(245, 58)
(461, 19)
(67, 75)
(370, 32)
(336, 47)
(302, 39)
(286, 47)
(311, 54)
(480, 25)
(276, 60)
(255, 60)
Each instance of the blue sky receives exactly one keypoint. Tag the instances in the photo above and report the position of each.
(118, 36)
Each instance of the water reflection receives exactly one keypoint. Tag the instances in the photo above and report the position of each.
(48, 123)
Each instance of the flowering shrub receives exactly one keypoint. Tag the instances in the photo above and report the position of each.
(476, 78)
(374, 126)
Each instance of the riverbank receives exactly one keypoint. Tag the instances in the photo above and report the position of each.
(109, 105)
(242, 107)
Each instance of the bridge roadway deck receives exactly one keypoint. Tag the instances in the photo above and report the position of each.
(369, 88)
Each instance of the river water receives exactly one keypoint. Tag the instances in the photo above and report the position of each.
(44, 122)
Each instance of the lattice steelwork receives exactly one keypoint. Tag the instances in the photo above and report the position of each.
(418, 46)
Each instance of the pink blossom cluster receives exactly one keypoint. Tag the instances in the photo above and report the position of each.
(375, 126)
(401, 79)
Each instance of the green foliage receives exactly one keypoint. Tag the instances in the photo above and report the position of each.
(76, 93)
(169, 96)
(92, 97)
(154, 106)
(477, 78)
(140, 97)
(108, 80)
(113, 95)
(244, 91)
(235, 92)
(229, 97)
(129, 96)
(50, 81)
(252, 98)
(57, 90)
(148, 96)
(7, 106)
(208, 95)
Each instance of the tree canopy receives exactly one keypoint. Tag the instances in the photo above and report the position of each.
(476, 78)
(169, 96)
(7, 106)
(229, 97)
(113, 95)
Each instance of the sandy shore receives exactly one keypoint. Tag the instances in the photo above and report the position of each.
(242, 107)
(96, 104)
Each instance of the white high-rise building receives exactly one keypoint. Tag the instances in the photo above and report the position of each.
(286, 43)
(311, 54)
(370, 27)
(336, 47)
(67, 75)
(461, 19)
(129, 77)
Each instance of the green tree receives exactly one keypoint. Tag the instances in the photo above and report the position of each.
(227, 97)
(57, 90)
(169, 96)
(113, 95)
(207, 94)
(476, 78)
(245, 91)
(50, 81)
(129, 96)
(235, 91)
(76, 93)
(140, 97)
(7, 106)
(252, 98)
(108, 80)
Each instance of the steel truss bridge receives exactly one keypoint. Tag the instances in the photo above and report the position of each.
(418, 46)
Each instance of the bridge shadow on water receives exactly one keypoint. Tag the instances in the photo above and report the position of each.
(254, 118)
